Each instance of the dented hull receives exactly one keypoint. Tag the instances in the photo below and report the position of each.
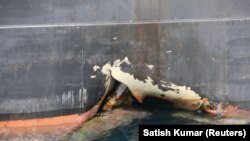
(52, 53)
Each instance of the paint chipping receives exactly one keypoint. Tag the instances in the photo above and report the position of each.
(140, 89)
(162, 85)
(181, 96)
(163, 81)
(150, 66)
(118, 62)
(169, 51)
(93, 76)
(95, 68)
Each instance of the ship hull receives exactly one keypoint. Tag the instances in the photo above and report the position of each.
(50, 62)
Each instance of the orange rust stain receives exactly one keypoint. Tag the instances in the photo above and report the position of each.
(55, 125)
(138, 95)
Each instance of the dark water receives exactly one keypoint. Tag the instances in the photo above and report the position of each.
(160, 113)
(130, 132)
(121, 124)
(163, 113)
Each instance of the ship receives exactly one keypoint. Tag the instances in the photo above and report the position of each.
(52, 53)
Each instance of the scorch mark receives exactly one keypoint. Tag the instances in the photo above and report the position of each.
(181, 96)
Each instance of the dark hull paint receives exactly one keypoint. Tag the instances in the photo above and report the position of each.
(45, 68)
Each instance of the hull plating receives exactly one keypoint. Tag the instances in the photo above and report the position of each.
(50, 69)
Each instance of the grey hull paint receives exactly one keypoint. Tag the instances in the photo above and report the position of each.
(46, 59)
(33, 12)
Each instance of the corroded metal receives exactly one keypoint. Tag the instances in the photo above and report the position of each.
(181, 96)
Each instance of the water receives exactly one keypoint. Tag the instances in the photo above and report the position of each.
(125, 128)
(130, 132)
(122, 123)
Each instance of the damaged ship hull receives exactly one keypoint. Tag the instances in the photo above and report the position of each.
(48, 69)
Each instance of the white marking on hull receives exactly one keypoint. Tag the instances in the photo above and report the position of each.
(128, 23)
(93, 76)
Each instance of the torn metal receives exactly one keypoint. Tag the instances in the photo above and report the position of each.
(180, 96)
